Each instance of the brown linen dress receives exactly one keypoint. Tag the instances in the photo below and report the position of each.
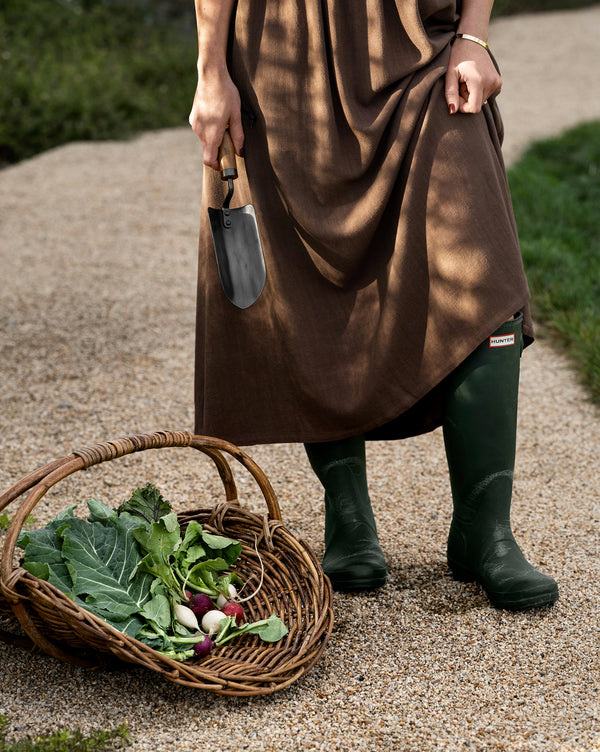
(387, 226)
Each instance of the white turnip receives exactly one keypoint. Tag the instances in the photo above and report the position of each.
(230, 595)
(211, 621)
(186, 616)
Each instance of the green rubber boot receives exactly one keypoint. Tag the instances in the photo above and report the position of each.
(480, 423)
(353, 558)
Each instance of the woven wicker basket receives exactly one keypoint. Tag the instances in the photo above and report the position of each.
(294, 585)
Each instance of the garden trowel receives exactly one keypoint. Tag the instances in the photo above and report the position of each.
(240, 259)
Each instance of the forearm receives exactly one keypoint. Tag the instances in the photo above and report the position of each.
(216, 105)
(212, 20)
(475, 18)
(472, 76)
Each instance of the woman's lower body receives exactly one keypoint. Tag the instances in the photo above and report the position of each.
(391, 253)
(479, 413)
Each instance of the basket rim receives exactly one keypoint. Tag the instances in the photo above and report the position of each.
(14, 578)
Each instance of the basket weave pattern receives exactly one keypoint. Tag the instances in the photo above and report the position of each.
(293, 583)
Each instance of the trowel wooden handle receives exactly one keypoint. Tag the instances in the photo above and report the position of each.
(227, 162)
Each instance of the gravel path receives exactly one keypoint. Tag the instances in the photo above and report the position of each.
(97, 247)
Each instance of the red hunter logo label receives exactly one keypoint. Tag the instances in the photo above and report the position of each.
(502, 340)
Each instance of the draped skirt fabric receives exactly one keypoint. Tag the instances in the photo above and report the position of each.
(387, 226)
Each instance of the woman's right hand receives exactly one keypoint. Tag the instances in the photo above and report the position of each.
(216, 107)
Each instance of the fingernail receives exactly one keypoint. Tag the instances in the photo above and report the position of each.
(452, 108)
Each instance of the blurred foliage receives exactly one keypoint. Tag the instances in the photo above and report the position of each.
(83, 69)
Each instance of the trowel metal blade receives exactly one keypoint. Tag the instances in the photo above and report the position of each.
(240, 259)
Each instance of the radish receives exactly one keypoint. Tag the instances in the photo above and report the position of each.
(200, 603)
(186, 616)
(211, 621)
(203, 647)
(230, 595)
(231, 608)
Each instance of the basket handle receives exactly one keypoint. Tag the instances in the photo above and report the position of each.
(40, 481)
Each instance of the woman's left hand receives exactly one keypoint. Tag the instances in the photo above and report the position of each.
(471, 77)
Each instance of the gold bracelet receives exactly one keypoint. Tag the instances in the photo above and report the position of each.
(471, 38)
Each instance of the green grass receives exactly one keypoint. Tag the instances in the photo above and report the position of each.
(66, 741)
(75, 70)
(5, 521)
(556, 196)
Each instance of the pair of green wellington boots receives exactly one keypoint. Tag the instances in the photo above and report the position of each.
(480, 420)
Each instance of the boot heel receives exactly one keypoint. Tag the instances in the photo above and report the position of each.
(461, 573)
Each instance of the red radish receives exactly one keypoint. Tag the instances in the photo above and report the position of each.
(231, 608)
(230, 594)
(200, 603)
(203, 646)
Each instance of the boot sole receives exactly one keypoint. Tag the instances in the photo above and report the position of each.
(512, 602)
(340, 583)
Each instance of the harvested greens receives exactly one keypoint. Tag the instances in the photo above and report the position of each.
(135, 569)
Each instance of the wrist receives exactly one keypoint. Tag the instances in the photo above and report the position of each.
(475, 18)
(470, 32)
(211, 66)
(472, 38)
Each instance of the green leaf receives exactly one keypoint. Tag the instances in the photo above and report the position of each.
(269, 630)
(162, 538)
(130, 626)
(160, 541)
(160, 570)
(191, 549)
(43, 555)
(197, 549)
(100, 512)
(193, 533)
(158, 610)
(101, 559)
(92, 562)
(272, 630)
(43, 558)
(146, 503)
(59, 521)
(203, 575)
(227, 548)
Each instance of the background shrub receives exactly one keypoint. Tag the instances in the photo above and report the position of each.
(90, 70)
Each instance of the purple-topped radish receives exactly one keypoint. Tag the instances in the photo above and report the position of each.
(200, 604)
(203, 646)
